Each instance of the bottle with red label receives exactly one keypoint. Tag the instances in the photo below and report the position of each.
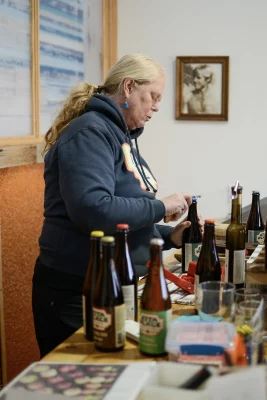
(126, 271)
(109, 308)
(155, 307)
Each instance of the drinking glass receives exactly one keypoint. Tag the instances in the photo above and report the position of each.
(215, 301)
(251, 315)
(246, 294)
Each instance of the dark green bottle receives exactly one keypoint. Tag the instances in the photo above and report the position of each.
(255, 225)
(235, 243)
(90, 283)
(192, 238)
(208, 266)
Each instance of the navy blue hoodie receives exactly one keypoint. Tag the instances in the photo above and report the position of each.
(93, 181)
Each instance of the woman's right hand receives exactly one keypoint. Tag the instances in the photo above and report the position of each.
(176, 205)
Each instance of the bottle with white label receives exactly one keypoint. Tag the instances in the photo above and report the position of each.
(255, 226)
(235, 243)
(208, 267)
(192, 237)
(155, 306)
(126, 272)
(109, 308)
(90, 282)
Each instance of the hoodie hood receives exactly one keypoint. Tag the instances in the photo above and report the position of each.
(105, 105)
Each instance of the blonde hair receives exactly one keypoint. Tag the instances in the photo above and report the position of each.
(140, 68)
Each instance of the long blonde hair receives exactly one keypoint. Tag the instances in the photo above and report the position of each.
(140, 68)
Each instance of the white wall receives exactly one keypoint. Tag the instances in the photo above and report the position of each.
(204, 157)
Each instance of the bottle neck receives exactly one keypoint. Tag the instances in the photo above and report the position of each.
(236, 209)
(94, 251)
(256, 202)
(209, 236)
(192, 213)
(107, 257)
(155, 257)
(121, 241)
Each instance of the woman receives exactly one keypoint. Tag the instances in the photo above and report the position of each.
(95, 179)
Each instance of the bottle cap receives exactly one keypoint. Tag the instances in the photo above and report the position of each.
(194, 198)
(255, 192)
(122, 226)
(97, 234)
(157, 242)
(107, 239)
(209, 221)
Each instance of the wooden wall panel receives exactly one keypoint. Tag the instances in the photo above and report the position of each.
(21, 213)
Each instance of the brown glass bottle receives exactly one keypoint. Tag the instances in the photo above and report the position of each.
(90, 283)
(255, 225)
(126, 272)
(155, 307)
(192, 238)
(208, 266)
(109, 308)
(235, 243)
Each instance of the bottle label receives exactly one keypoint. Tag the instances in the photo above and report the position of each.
(192, 251)
(256, 237)
(153, 329)
(239, 266)
(109, 326)
(239, 263)
(226, 272)
(129, 300)
(196, 282)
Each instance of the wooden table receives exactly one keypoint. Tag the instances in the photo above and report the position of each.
(77, 349)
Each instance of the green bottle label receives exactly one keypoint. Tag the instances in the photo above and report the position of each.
(192, 251)
(256, 237)
(153, 329)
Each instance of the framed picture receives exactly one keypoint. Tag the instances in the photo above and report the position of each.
(202, 88)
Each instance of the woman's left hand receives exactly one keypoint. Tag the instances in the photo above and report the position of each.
(177, 232)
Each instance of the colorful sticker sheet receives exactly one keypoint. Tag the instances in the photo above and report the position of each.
(85, 381)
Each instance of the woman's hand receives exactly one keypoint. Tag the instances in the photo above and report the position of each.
(176, 205)
(177, 232)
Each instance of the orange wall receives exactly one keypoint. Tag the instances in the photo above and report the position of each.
(21, 213)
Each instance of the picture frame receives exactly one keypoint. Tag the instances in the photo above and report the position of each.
(202, 88)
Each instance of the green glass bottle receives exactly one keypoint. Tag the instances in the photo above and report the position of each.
(235, 243)
(155, 307)
(192, 238)
(208, 266)
(255, 225)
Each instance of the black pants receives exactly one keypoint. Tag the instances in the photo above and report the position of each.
(56, 305)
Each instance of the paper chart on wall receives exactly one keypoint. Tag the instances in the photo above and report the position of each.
(62, 45)
(15, 69)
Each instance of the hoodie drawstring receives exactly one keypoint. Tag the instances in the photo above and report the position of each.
(140, 169)
(141, 165)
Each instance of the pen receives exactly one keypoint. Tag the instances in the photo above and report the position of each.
(196, 380)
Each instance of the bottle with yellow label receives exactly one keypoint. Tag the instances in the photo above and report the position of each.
(109, 308)
(155, 308)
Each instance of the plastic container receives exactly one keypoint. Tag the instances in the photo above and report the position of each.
(203, 337)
